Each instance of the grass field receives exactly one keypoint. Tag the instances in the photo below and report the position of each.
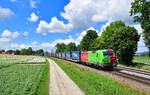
(93, 83)
(141, 59)
(23, 79)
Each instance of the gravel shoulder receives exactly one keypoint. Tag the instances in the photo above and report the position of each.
(60, 83)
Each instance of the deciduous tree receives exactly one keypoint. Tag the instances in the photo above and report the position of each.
(60, 47)
(123, 39)
(88, 40)
(71, 47)
(140, 9)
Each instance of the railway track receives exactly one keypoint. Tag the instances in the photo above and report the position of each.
(145, 72)
(141, 76)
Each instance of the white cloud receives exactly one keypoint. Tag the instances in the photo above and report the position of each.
(32, 4)
(4, 40)
(141, 45)
(4, 43)
(10, 35)
(83, 15)
(14, 45)
(115, 10)
(33, 44)
(138, 28)
(51, 46)
(25, 33)
(70, 36)
(15, 35)
(55, 26)
(6, 33)
(33, 18)
(46, 45)
(6, 13)
(22, 46)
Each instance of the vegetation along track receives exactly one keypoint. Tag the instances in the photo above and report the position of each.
(142, 76)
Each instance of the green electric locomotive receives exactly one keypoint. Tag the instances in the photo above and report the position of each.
(103, 58)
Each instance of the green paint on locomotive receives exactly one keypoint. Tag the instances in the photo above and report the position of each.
(98, 57)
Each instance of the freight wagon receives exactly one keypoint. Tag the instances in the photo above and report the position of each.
(60, 55)
(76, 56)
(56, 55)
(68, 55)
(63, 55)
(84, 56)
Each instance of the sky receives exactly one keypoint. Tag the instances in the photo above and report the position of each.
(44, 23)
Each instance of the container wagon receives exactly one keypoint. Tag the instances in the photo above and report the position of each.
(56, 55)
(60, 55)
(84, 56)
(76, 55)
(63, 55)
(68, 55)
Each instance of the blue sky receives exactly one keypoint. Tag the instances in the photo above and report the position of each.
(44, 23)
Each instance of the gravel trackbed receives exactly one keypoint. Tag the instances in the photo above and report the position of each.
(60, 83)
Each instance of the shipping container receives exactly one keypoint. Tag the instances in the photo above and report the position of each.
(63, 55)
(84, 56)
(60, 55)
(68, 55)
(56, 54)
(76, 55)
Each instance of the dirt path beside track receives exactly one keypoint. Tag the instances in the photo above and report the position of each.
(60, 83)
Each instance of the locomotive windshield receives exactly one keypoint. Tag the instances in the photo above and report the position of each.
(108, 53)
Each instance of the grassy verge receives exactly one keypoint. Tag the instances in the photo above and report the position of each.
(93, 83)
(137, 60)
(141, 59)
(44, 82)
(138, 66)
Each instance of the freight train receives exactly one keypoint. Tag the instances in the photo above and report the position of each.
(105, 58)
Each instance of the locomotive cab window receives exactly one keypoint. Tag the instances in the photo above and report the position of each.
(108, 53)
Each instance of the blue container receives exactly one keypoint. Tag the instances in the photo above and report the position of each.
(63, 55)
(76, 55)
(60, 55)
(56, 55)
(68, 55)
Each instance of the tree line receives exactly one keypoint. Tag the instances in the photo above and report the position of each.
(28, 51)
(117, 36)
